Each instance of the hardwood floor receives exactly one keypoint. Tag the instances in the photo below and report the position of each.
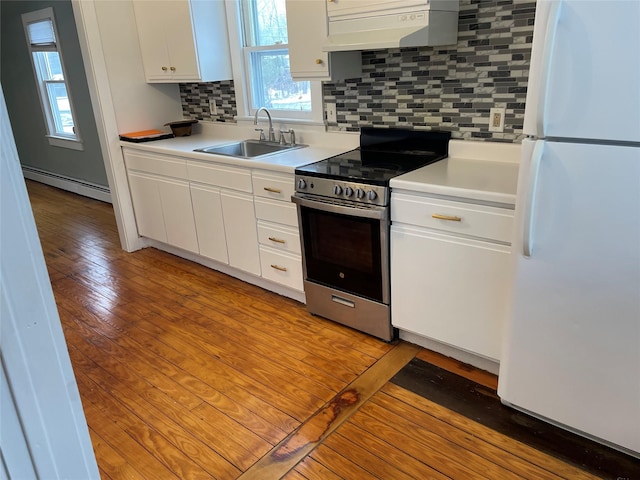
(188, 373)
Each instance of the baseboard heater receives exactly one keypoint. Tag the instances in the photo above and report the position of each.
(70, 184)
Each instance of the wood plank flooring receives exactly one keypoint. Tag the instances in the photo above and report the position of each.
(188, 373)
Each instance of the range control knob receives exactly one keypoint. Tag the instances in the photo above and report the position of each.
(372, 195)
(337, 189)
(302, 184)
(359, 193)
(348, 191)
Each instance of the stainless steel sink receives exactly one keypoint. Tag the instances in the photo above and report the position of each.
(248, 149)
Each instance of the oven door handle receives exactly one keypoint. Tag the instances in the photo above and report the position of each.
(375, 212)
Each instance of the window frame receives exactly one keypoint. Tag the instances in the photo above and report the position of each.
(236, 15)
(52, 121)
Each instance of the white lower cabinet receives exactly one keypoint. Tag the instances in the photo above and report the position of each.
(225, 217)
(447, 286)
(278, 228)
(237, 216)
(163, 209)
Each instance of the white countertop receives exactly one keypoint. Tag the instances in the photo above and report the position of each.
(219, 135)
(482, 171)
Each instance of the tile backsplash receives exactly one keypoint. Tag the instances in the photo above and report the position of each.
(447, 88)
(196, 99)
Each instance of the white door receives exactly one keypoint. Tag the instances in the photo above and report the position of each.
(240, 228)
(207, 210)
(178, 214)
(40, 406)
(585, 74)
(145, 196)
(572, 348)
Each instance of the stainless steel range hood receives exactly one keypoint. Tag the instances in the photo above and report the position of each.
(393, 28)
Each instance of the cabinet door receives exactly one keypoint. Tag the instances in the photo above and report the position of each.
(166, 40)
(150, 21)
(180, 41)
(207, 210)
(178, 214)
(147, 206)
(307, 29)
(240, 230)
(449, 289)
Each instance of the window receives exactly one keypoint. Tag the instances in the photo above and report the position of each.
(266, 56)
(48, 66)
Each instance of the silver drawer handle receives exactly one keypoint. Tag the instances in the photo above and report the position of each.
(446, 217)
(278, 267)
(272, 190)
(277, 240)
(343, 301)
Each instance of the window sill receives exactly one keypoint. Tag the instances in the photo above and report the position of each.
(65, 143)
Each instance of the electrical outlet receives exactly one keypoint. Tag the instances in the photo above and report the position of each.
(332, 116)
(213, 109)
(496, 120)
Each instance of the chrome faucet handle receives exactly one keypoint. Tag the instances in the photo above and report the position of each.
(292, 141)
(261, 130)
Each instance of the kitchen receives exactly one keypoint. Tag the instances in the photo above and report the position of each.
(377, 61)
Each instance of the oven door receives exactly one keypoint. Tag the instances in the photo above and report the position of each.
(345, 247)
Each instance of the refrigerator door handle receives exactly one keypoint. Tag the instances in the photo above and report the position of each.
(529, 207)
(549, 47)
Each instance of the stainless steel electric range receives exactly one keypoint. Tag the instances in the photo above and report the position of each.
(343, 207)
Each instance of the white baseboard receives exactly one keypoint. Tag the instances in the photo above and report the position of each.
(86, 189)
(483, 363)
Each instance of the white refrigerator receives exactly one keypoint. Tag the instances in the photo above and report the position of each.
(571, 352)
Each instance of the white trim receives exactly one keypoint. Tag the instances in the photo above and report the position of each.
(65, 142)
(86, 189)
(477, 361)
(102, 103)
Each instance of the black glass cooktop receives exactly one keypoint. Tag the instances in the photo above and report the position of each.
(382, 155)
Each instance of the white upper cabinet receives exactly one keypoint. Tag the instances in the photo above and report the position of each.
(183, 40)
(307, 29)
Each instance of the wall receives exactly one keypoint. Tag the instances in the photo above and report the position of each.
(449, 88)
(25, 111)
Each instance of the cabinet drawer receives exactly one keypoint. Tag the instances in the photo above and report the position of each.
(225, 176)
(274, 186)
(279, 237)
(159, 164)
(281, 267)
(464, 218)
(276, 211)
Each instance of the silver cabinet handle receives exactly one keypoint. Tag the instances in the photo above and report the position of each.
(446, 217)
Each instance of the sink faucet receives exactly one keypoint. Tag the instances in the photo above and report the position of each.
(272, 135)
